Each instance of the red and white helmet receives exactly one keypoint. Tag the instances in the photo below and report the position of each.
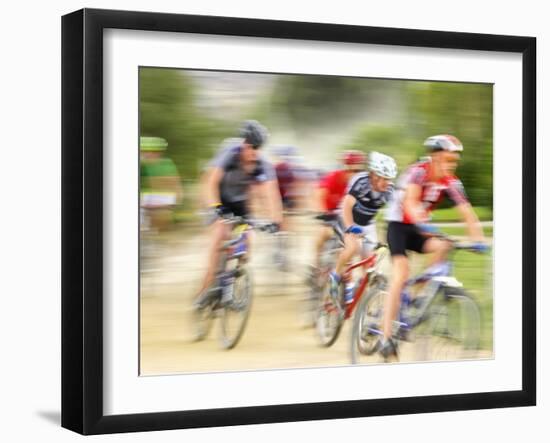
(354, 159)
(443, 142)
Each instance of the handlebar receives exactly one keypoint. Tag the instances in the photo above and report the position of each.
(259, 225)
(460, 244)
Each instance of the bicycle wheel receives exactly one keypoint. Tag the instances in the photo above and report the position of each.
(203, 318)
(316, 280)
(308, 305)
(330, 315)
(450, 329)
(235, 315)
(367, 322)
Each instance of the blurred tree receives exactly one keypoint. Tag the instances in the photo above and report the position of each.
(461, 109)
(309, 99)
(167, 110)
(466, 111)
(391, 140)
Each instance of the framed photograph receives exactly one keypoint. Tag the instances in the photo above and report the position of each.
(268, 221)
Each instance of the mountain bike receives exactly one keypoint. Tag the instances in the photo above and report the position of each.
(333, 311)
(229, 298)
(442, 319)
(317, 277)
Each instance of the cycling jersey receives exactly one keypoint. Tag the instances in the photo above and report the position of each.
(158, 187)
(285, 178)
(235, 182)
(368, 201)
(432, 192)
(335, 183)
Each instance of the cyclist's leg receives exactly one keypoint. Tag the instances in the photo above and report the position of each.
(400, 274)
(440, 249)
(352, 246)
(241, 209)
(323, 236)
(400, 238)
(370, 241)
(219, 231)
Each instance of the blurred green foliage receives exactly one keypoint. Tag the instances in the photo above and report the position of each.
(392, 116)
(466, 111)
(460, 109)
(167, 110)
(452, 215)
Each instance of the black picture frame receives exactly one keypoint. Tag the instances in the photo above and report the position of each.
(82, 219)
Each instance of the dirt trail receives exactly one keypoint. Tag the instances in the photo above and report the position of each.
(275, 336)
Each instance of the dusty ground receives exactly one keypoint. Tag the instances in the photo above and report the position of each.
(275, 336)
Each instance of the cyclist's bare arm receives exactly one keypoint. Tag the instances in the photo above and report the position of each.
(214, 177)
(475, 231)
(347, 207)
(270, 191)
(174, 183)
(412, 205)
(320, 198)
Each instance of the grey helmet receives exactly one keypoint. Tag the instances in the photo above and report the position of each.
(253, 133)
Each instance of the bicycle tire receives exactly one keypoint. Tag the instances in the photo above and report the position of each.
(203, 318)
(316, 280)
(363, 340)
(330, 317)
(452, 327)
(308, 305)
(241, 304)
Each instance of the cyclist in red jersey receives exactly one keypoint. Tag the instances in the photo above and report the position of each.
(331, 191)
(419, 189)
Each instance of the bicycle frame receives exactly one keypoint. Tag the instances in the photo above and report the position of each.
(439, 274)
(366, 263)
(237, 246)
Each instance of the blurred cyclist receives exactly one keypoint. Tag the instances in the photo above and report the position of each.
(288, 181)
(331, 191)
(286, 175)
(161, 188)
(419, 189)
(366, 194)
(229, 178)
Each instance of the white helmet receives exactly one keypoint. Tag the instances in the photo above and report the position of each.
(382, 165)
(443, 142)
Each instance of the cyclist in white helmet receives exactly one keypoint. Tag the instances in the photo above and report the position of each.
(367, 192)
(418, 190)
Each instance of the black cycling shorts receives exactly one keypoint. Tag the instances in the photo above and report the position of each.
(403, 237)
(238, 209)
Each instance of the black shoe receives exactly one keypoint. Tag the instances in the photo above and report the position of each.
(388, 350)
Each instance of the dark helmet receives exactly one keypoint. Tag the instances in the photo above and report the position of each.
(253, 133)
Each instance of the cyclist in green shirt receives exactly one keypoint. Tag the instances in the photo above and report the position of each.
(160, 184)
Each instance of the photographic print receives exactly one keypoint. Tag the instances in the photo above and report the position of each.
(309, 221)
(250, 204)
